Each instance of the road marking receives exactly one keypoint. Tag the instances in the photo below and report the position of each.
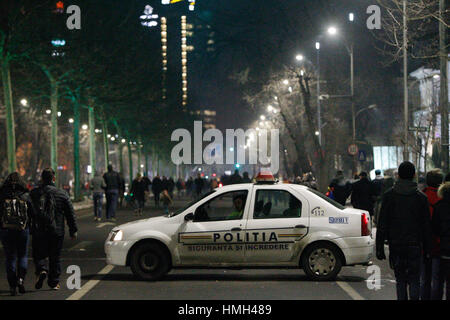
(90, 284)
(101, 225)
(349, 290)
(81, 246)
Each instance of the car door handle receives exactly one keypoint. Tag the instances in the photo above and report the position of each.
(300, 226)
(236, 229)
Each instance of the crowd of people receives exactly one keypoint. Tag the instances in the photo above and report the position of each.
(412, 218)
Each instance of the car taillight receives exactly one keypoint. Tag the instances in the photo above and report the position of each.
(364, 225)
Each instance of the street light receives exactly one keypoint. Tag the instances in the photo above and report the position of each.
(84, 127)
(24, 102)
(71, 120)
(48, 111)
(332, 31)
(299, 57)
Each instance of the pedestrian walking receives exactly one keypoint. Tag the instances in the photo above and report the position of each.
(363, 194)
(166, 200)
(441, 229)
(138, 190)
(430, 282)
(404, 222)
(121, 190)
(16, 217)
(97, 186)
(170, 186)
(340, 188)
(236, 178)
(199, 185)
(112, 181)
(379, 189)
(246, 178)
(52, 209)
(156, 189)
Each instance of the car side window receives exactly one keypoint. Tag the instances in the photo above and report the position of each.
(227, 206)
(276, 204)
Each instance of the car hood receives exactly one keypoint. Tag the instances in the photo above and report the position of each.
(141, 222)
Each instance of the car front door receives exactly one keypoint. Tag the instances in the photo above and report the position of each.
(215, 235)
(277, 221)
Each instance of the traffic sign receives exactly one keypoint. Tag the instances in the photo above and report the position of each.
(352, 149)
(362, 155)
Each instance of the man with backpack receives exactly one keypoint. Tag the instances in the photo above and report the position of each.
(16, 214)
(52, 207)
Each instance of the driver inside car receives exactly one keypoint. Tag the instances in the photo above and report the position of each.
(239, 204)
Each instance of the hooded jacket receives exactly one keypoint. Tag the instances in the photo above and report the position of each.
(441, 219)
(12, 191)
(404, 217)
(341, 189)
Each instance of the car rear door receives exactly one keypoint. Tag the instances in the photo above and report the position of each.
(277, 221)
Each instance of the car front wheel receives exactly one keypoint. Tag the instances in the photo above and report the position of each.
(321, 262)
(149, 262)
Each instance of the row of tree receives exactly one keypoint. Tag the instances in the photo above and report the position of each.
(108, 74)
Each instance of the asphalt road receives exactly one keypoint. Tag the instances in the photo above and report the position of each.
(102, 282)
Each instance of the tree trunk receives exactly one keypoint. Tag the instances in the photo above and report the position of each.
(105, 142)
(10, 131)
(443, 99)
(54, 133)
(76, 151)
(130, 159)
(92, 139)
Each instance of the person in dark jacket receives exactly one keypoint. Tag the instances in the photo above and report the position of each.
(379, 188)
(156, 189)
(405, 223)
(170, 186)
(121, 190)
(341, 189)
(363, 194)
(235, 178)
(430, 282)
(113, 183)
(138, 190)
(48, 239)
(441, 229)
(246, 178)
(199, 185)
(15, 242)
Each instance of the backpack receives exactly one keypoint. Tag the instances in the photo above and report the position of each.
(15, 216)
(46, 211)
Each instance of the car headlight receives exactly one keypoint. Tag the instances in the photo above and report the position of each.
(116, 235)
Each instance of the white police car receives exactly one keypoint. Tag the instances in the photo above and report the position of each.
(247, 225)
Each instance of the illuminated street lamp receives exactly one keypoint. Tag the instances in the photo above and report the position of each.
(84, 127)
(332, 31)
(24, 102)
(299, 57)
(71, 120)
(48, 111)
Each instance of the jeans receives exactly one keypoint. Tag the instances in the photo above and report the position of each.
(48, 246)
(111, 203)
(98, 199)
(431, 280)
(406, 262)
(444, 271)
(157, 198)
(15, 245)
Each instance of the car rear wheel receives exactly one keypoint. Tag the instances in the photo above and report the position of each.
(321, 262)
(149, 262)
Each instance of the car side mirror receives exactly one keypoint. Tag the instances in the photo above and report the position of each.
(189, 217)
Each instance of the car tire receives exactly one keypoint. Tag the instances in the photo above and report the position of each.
(149, 262)
(321, 261)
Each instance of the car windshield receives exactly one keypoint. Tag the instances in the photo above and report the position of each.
(177, 212)
(324, 197)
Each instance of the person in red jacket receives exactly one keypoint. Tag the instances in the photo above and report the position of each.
(430, 282)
